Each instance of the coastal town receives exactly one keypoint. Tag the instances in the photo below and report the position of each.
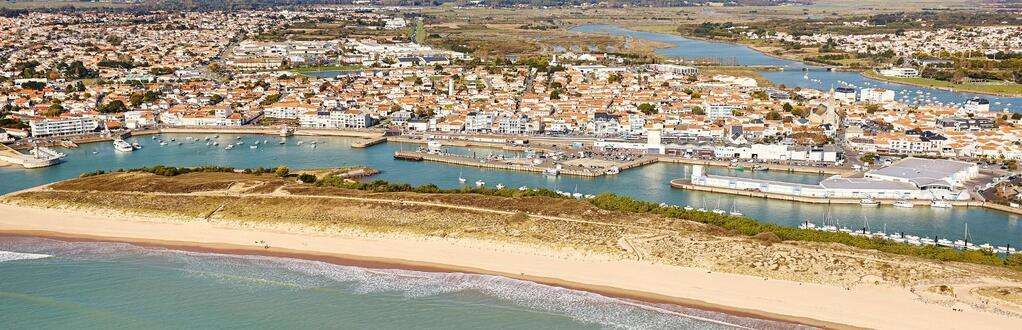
(392, 86)
(365, 113)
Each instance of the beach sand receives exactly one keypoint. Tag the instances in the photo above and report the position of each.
(812, 304)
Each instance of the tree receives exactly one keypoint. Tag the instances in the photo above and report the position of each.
(215, 99)
(115, 106)
(773, 115)
(760, 95)
(869, 157)
(698, 111)
(555, 94)
(787, 107)
(136, 99)
(282, 171)
(647, 109)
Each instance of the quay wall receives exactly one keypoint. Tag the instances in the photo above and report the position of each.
(465, 161)
(685, 184)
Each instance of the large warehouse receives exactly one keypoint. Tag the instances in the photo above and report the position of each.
(927, 173)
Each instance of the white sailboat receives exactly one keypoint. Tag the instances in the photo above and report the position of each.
(734, 210)
(461, 178)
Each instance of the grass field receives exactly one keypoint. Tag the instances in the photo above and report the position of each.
(1005, 88)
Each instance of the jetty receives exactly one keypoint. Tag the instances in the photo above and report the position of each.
(369, 142)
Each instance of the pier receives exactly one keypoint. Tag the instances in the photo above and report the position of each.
(365, 143)
(469, 161)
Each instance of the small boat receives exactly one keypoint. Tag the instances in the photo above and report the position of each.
(480, 183)
(282, 142)
(123, 146)
(253, 147)
(551, 171)
(300, 142)
(868, 202)
(136, 145)
(941, 204)
(734, 211)
(461, 178)
(904, 204)
(229, 147)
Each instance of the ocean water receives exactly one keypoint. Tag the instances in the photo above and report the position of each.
(46, 283)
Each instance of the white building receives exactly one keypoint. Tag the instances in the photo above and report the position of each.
(718, 111)
(63, 126)
(926, 173)
(977, 105)
(899, 72)
(876, 95)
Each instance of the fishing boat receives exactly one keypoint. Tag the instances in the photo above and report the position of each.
(868, 202)
(123, 146)
(941, 204)
(904, 204)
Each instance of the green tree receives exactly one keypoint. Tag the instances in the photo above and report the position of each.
(698, 111)
(115, 106)
(282, 171)
(647, 109)
(773, 115)
(869, 157)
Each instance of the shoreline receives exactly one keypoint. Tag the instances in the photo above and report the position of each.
(819, 305)
(953, 90)
(806, 63)
(384, 263)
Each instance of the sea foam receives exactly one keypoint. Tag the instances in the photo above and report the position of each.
(11, 256)
(262, 272)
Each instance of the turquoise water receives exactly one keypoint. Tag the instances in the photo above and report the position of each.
(94, 285)
(792, 75)
(647, 183)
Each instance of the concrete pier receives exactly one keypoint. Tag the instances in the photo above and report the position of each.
(468, 161)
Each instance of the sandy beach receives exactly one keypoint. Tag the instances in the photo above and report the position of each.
(811, 304)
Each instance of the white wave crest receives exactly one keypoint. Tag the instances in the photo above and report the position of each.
(11, 256)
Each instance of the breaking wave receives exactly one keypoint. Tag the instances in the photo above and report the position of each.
(257, 272)
(11, 256)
